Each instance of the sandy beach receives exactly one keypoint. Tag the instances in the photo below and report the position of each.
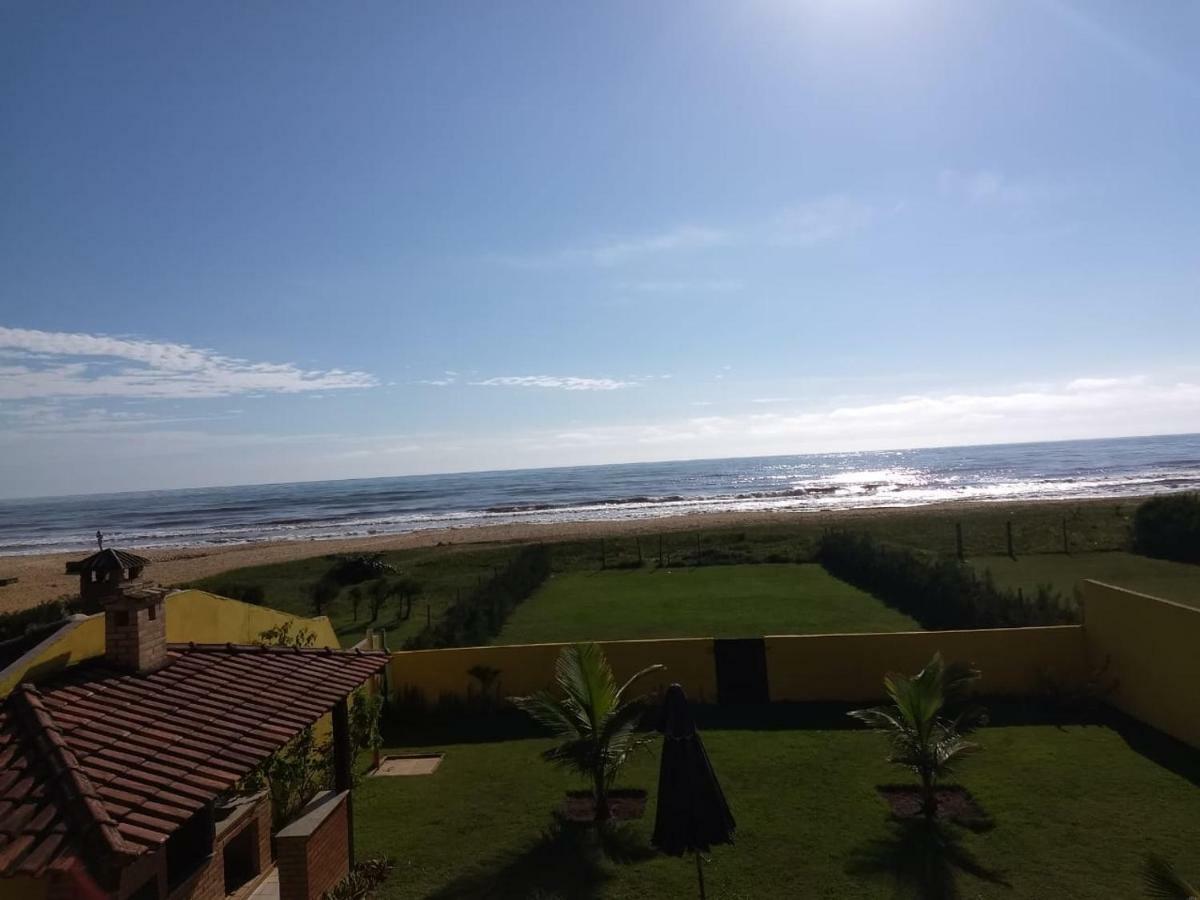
(42, 576)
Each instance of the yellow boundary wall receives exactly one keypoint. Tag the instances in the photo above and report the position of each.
(822, 667)
(525, 668)
(851, 667)
(1151, 648)
(191, 616)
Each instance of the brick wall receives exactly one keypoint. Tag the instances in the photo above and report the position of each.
(208, 883)
(314, 851)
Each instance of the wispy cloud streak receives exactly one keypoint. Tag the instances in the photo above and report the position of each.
(52, 364)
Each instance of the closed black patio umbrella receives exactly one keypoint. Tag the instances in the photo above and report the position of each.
(692, 815)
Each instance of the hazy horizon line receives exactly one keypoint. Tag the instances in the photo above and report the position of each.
(661, 462)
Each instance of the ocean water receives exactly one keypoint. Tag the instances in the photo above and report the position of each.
(326, 509)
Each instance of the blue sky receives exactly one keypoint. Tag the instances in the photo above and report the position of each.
(268, 242)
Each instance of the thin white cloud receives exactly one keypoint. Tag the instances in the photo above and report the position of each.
(1123, 406)
(1096, 384)
(700, 286)
(617, 250)
(803, 225)
(65, 365)
(558, 382)
(989, 188)
(819, 221)
(771, 400)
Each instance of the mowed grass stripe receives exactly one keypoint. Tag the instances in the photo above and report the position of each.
(712, 601)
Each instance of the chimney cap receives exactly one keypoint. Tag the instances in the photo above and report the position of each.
(107, 560)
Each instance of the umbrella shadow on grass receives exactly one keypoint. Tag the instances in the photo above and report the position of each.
(569, 860)
(926, 860)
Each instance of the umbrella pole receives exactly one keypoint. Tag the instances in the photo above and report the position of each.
(700, 874)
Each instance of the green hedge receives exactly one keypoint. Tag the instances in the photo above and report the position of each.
(16, 624)
(940, 593)
(1168, 527)
(481, 614)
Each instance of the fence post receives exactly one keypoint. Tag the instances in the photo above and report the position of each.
(1008, 533)
(428, 616)
(958, 540)
(697, 548)
(639, 546)
(660, 550)
(603, 555)
(1066, 540)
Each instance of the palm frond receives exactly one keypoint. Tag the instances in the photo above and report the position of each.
(657, 667)
(595, 720)
(547, 711)
(1162, 881)
(922, 738)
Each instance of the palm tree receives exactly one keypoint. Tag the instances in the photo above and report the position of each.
(595, 719)
(1162, 881)
(923, 738)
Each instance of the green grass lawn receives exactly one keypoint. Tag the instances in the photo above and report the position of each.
(1075, 811)
(1171, 581)
(709, 601)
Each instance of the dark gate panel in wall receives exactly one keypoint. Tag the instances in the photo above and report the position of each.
(741, 670)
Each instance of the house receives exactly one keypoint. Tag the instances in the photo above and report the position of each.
(119, 775)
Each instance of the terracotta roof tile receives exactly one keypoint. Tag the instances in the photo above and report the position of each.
(101, 762)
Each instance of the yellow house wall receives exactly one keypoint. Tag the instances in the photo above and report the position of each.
(530, 667)
(210, 619)
(851, 667)
(1152, 649)
(73, 643)
(191, 616)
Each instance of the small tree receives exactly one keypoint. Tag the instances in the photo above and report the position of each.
(292, 775)
(923, 739)
(296, 771)
(364, 723)
(379, 592)
(406, 589)
(356, 597)
(322, 593)
(595, 719)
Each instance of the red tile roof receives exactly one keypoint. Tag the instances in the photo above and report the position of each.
(102, 762)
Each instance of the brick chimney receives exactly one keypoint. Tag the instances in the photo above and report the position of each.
(135, 629)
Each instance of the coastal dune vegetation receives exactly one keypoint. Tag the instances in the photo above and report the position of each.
(1016, 563)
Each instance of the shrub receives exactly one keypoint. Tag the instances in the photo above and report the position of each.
(283, 635)
(15, 624)
(940, 593)
(354, 568)
(361, 880)
(1168, 527)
